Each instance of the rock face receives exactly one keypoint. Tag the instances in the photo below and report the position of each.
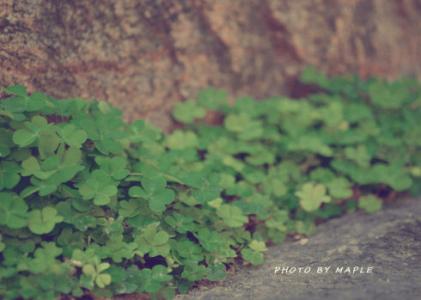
(145, 55)
(389, 241)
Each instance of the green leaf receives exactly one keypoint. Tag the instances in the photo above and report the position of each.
(116, 167)
(153, 279)
(232, 215)
(188, 111)
(155, 191)
(102, 280)
(13, 211)
(129, 209)
(359, 155)
(253, 257)
(370, 203)
(312, 195)
(24, 137)
(188, 250)
(44, 259)
(2, 245)
(73, 136)
(18, 90)
(216, 272)
(237, 123)
(193, 271)
(182, 140)
(153, 241)
(212, 98)
(206, 186)
(48, 141)
(258, 246)
(43, 220)
(9, 175)
(389, 96)
(180, 223)
(98, 187)
(310, 143)
(339, 188)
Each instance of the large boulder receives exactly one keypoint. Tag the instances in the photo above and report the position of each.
(145, 55)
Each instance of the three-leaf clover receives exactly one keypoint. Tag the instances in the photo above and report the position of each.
(98, 187)
(153, 241)
(231, 215)
(23, 102)
(252, 256)
(26, 136)
(72, 135)
(95, 272)
(312, 195)
(13, 211)
(9, 174)
(182, 140)
(43, 220)
(212, 98)
(154, 189)
(339, 188)
(188, 111)
(370, 203)
(116, 167)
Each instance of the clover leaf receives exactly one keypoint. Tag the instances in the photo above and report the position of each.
(193, 271)
(389, 96)
(370, 203)
(359, 155)
(231, 215)
(72, 135)
(153, 241)
(182, 140)
(212, 98)
(339, 188)
(13, 210)
(43, 220)
(23, 102)
(206, 186)
(188, 111)
(116, 167)
(153, 279)
(129, 209)
(98, 187)
(117, 249)
(95, 273)
(189, 250)
(6, 142)
(312, 195)
(258, 246)
(180, 223)
(26, 136)
(237, 122)
(2, 245)
(44, 259)
(252, 256)
(9, 175)
(154, 189)
(215, 243)
(216, 272)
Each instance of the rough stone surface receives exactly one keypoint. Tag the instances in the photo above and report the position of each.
(389, 241)
(144, 55)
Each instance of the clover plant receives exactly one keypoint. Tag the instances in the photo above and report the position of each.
(91, 205)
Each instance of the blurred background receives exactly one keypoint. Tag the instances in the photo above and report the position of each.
(144, 56)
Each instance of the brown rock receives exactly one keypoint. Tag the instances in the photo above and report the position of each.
(145, 55)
